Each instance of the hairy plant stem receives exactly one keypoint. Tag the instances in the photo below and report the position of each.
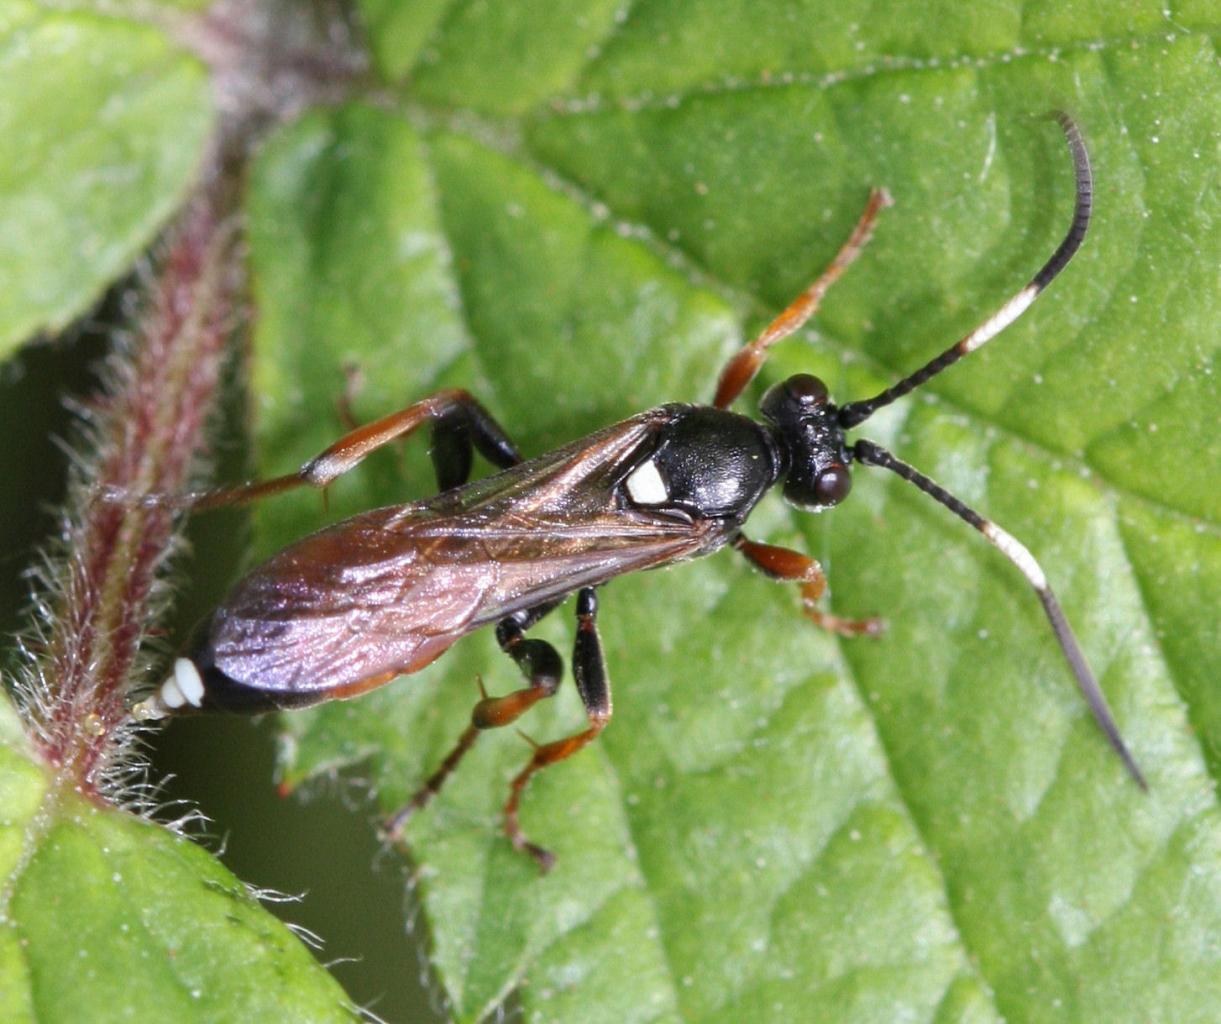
(100, 587)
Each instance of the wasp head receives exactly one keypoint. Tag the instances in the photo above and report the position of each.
(809, 434)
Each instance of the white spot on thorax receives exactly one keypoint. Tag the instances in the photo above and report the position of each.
(645, 485)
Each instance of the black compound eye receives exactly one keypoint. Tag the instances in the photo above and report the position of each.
(794, 398)
(832, 485)
(814, 492)
(806, 390)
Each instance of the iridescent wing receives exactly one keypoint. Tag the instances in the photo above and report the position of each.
(386, 592)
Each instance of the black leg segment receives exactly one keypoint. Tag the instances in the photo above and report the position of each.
(465, 427)
(588, 663)
(543, 669)
(589, 668)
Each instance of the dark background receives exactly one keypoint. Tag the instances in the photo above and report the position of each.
(222, 766)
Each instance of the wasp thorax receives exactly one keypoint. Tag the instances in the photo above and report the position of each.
(807, 430)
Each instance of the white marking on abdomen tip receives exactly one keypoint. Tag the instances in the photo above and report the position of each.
(1018, 553)
(1001, 319)
(645, 485)
(183, 686)
(190, 682)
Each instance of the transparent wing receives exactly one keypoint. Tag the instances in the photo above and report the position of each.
(388, 591)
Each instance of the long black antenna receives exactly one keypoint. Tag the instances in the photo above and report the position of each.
(871, 454)
(1013, 549)
(857, 412)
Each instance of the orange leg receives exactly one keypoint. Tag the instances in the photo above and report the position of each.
(792, 566)
(741, 369)
(589, 671)
(545, 755)
(542, 667)
(460, 425)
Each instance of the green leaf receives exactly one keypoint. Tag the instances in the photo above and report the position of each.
(104, 916)
(779, 824)
(578, 211)
(397, 31)
(107, 917)
(104, 125)
(578, 214)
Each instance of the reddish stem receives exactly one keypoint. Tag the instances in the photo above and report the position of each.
(144, 432)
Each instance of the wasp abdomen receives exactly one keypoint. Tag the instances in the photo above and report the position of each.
(196, 685)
